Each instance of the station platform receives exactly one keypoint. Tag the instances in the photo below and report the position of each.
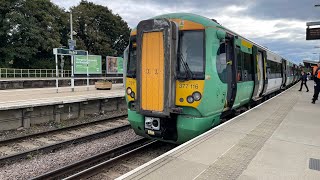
(23, 98)
(53, 78)
(279, 139)
(28, 107)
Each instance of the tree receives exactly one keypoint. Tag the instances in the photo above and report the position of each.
(6, 10)
(34, 28)
(30, 29)
(99, 30)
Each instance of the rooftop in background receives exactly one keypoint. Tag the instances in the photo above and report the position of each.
(309, 63)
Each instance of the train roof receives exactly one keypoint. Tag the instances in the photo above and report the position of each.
(213, 23)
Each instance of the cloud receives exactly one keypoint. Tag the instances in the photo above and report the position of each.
(288, 9)
(279, 25)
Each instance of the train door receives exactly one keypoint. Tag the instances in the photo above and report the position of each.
(260, 71)
(231, 71)
(265, 75)
(284, 73)
(156, 62)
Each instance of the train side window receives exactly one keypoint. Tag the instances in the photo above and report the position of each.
(239, 64)
(279, 70)
(221, 62)
(247, 67)
(274, 69)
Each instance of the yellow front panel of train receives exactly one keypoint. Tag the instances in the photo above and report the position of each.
(132, 84)
(152, 72)
(187, 88)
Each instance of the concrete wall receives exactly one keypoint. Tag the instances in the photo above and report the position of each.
(10, 119)
(45, 83)
(26, 117)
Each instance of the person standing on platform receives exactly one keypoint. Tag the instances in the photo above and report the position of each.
(304, 79)
(316, 84)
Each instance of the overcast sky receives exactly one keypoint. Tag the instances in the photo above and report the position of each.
(279, 25)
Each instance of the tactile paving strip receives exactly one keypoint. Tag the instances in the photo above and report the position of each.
(236, 160)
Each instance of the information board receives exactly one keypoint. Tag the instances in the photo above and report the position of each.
(80, 64)
(114, 65)
(313, 33)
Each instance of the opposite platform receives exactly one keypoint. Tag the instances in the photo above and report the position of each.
(26, 107)
(23, 98)
(276, 140)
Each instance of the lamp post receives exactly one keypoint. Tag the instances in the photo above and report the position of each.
(72, 57)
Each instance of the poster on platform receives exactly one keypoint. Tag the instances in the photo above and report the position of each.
(114, 65)
(94, 64)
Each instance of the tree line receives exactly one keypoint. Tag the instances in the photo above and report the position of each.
(30, 29)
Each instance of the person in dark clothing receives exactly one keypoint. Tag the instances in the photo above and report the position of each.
(304, 80)
(316, 84)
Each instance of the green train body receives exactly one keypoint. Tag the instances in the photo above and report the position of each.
(186, 72)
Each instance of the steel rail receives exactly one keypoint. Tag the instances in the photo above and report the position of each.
(93, 164)
(60, 145)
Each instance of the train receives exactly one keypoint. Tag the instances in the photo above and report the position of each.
(186, 73)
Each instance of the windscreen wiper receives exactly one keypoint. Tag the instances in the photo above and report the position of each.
(189, 74)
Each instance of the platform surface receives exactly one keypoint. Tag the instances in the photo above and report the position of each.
(22, 98)
(53, 78)
(275, 140)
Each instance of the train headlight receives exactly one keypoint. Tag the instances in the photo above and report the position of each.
(196, 96)
(132, 94)
(190, 99)
(129, 91)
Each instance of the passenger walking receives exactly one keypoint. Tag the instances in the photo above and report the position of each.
(304, 79)
(316, 84)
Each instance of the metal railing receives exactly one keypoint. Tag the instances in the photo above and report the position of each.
(39, 73)
(31, 73)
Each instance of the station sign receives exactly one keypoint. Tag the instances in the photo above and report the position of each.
(94, 64)
(313, 33)
(72, 44)
(114, 65)
(61, 51)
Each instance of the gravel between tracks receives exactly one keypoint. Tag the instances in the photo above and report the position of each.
(43, 163)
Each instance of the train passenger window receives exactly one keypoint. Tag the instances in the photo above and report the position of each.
(191, 51)
(221, 62)
(244, 66)
(247, 67)
(239, 64)
(275, 69)
(269, 74)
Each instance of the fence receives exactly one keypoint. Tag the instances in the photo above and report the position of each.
(31, 73)
(39, 73)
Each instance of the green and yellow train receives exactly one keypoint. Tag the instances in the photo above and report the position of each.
(186, 72)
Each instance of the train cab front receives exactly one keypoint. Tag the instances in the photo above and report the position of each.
(155, 68)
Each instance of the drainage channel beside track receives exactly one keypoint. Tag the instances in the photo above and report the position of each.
(112, 163)
(15, 149)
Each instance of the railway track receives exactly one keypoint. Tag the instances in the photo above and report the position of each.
(112, 163)
(15, 149)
